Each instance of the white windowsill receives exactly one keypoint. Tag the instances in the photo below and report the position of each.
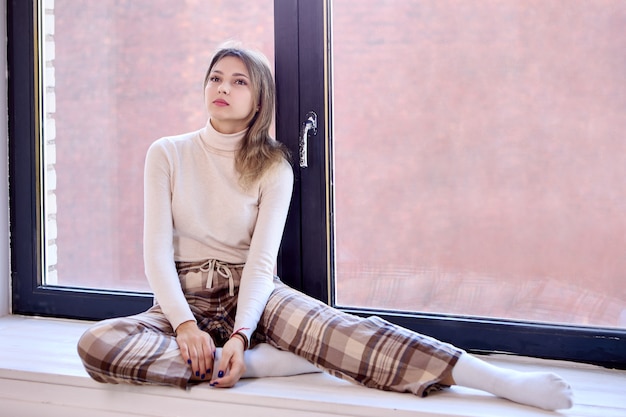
(40, 374)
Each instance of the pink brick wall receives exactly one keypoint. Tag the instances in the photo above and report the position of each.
(128, 72)
(480, 144)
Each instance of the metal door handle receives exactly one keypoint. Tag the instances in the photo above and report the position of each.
(309, 125)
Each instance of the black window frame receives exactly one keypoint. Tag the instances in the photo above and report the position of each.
(30, 296)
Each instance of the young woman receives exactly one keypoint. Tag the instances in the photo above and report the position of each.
(216, 201)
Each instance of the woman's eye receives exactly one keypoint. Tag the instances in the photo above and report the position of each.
(214, 79)
(241, 82)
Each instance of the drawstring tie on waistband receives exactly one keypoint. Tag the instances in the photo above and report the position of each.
(222, 269)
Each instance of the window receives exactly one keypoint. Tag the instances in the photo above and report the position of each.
(480, 180)
(482, 173)
(106, 82)
(474, 174)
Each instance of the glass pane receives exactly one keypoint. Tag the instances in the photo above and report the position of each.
(119, 75)
(480, 159)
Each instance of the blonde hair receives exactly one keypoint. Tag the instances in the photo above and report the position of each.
(259, 151)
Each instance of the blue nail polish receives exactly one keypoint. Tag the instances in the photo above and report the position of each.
(197, 373)
(202, 376)
(189, 361)
(220, 374)
(213, 384)
(208, 371)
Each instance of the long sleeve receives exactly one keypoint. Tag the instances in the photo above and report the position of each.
(257, 279)
(159, 236)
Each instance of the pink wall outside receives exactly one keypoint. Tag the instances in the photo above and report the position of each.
(481, 146)
(127, 73)
(491, 156)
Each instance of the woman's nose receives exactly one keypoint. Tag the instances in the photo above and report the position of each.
(223, 88)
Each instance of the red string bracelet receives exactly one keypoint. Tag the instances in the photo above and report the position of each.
(243, 337)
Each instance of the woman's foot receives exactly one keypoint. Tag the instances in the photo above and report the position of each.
(264, 360)
(538, 389)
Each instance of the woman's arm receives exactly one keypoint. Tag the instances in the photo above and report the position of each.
(257, 282)
(196, 346)
(158, 236)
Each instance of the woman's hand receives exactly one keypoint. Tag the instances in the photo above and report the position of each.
(197, 349)
(232, 365)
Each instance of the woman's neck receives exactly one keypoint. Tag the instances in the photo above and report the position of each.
(226, 127)
(222, 141)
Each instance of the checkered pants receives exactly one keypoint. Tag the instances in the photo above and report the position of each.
(142, 349)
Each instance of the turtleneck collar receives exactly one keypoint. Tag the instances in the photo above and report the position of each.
(221, 141)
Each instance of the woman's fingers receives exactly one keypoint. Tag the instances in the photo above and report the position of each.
(196, 358)
(202, 363)
(231, 365)
(184, 351)
(231, 377)
(196, 348)
(190, 356)
(205, 359)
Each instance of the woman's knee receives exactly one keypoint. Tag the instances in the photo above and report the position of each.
(96, 342)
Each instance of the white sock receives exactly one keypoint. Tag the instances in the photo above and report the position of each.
(538, 389)
(265, 360)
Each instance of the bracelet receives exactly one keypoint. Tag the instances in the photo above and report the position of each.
(242, 336)
(243, 339)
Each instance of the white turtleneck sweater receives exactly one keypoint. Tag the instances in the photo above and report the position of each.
(195, 209)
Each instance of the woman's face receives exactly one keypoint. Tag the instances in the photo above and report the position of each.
(228, 95)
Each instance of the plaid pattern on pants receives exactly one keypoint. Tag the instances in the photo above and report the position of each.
(142, 349)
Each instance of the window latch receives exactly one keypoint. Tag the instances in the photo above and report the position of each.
(308, 126)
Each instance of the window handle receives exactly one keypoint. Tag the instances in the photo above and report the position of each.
(309, 125)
